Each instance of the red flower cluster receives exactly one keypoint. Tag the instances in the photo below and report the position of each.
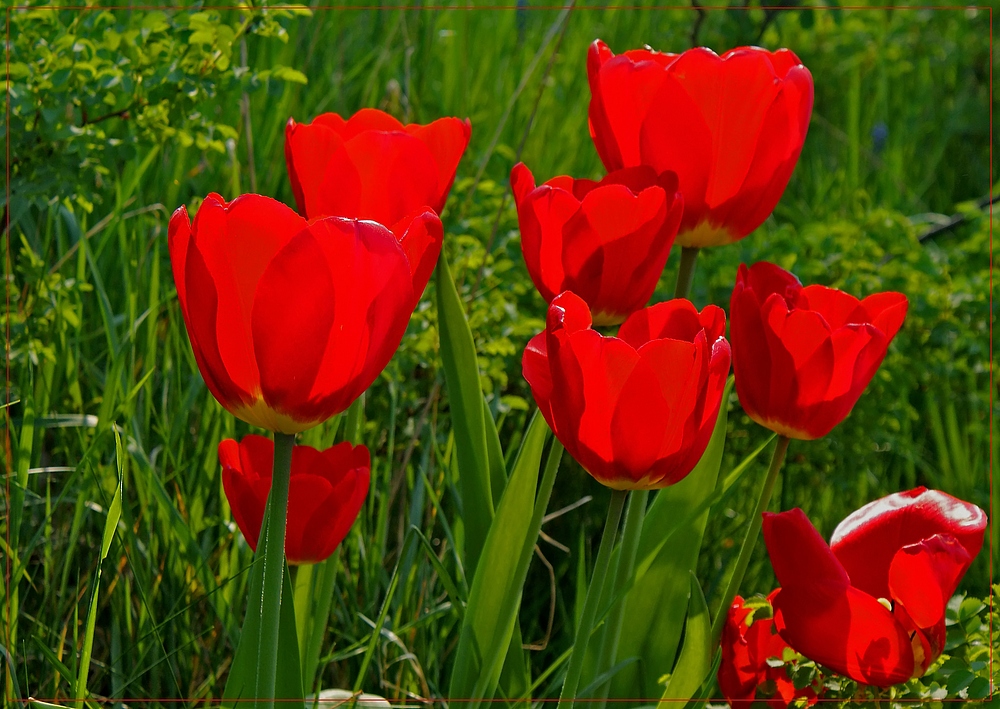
(291, 320)
(871, 605)
(753, 660)
(325, 493)
(294, 318)
(635, 410)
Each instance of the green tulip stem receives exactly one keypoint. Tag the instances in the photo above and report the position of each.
(273, 548)
(685, 273)
(634, 515)
(750, 540)
(589, 614)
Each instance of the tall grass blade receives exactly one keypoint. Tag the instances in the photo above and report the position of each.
(110, 525)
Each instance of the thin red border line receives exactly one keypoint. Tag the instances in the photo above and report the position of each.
(8, 270)
(8, 264)
(408, 702)
(507, 7)
(993, 520)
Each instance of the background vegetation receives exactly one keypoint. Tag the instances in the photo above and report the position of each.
(118, 117)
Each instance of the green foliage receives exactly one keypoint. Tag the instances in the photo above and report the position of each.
(91, 90)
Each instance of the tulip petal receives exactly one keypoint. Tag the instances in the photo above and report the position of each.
(308, 149)
(447, 139)
(202, 325)
(336, 513)
(851, 633)
(721, 88)
(341, 459)
(867, 540)
(923, 576)
(421, 235)
(395, 171)
(658, 392)
(178, 238)
(800, 557)
(535, 368)
(238, 241)
(307, 496)
(622, 93)
(777, 152)
(886, 311)
(676, 319)
(374, 301)
(836, 306)
(292, 317)
(675, 136)
(369, 119)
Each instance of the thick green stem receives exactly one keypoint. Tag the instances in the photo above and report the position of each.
(685, 274)
(273, 548)
(634, 515)
(750, 540)
(593, 600)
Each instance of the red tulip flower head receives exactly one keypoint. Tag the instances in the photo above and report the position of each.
(636, 410)
(731, 127)
(803, 355)
(371, 166)
(749, 642)
(871, 605)
(325, 493)
(606, 241)
(290, 320)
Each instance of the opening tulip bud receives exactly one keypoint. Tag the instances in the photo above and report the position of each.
(325, 493)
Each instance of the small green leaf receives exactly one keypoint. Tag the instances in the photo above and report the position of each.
(287, 73)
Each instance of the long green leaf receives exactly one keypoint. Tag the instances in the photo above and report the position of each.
(494, 454)
(695, 660)
(496, 587)
(465, 396)
(657, 602)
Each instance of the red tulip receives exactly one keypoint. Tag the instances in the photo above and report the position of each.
(606, 241)
(803, 356)
(872, 604)
(325, 493)
(746, 674)
(731, 127)
(371, 166)
(636, 410)
(290, 321)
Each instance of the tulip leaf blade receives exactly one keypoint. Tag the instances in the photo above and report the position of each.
(243, 673)
(465, 397)
(495, 596)
(695, 661)
(494, 452)
(669, 546)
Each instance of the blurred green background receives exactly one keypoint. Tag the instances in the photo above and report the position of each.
(118, 117)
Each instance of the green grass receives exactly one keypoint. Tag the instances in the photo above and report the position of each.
(98, 343)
